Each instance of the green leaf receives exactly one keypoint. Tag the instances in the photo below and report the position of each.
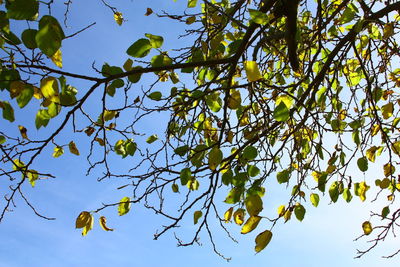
(152, 139)
(140, 48)
(347, 195)
(258, 16)
(124, 206)
(254, 204)
(25, 96)
(49, 36)
(185, 176)
(28, 38)
(8, 111)
(385, 212)
(362, 164)
(250, 153)
(299, 211)
(130, 147)
(175, 188)
(2, 140)
(234, 195)
(22, 9)
(42, 118)
(314, 198)
(155, 96)
(182, 150)
(155, 40)
(262, 240)
(253, 171)
(214, 158)
(334, 192)
(191, 3)
(281, 112)
(196, 216)
(283, 176)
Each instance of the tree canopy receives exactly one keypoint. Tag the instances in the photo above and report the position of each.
(299, 93)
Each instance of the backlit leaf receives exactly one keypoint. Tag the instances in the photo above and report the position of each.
(347, 195)
(22, 9)
(58, 151)
(299, 211)
(151, 139)
(57, 58)
(250, 153)
(103, 224)
(254, 204)
(214, 158)
(281, 112)
(252, 71)
(388, 169)
(238, 216)
(82, 219)
(140, 48)
(262, 240)
(155, 40)
(334, 192)
(362, 164)
(124, 206)
(250, 224)
(387, 110)
(118, 18)
(8, 111)
(367, 227)
(228, 215)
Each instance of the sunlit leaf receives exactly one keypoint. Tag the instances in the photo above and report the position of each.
(238, 216)
(254, 204)
(214, 158)
(73, 149)
(23, 131)
(140, 48)
(228, 215)
(197, 215)
(124, 206)
(250, 224)
(118, 18)
(388, 169)
(387, 110)
(58, 151)
(281, 112)
(151, 139)
(367, 227)
(299, 211)
(258, 16)
(57, 58)
(103, 224)
(252, 71)
(155, 40)
(347, 195)
(334, 192)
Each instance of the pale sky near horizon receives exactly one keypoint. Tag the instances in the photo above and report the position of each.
(324, 238)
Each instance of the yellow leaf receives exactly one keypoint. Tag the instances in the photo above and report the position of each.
(262, 240)
(375, 130)
(287, 100)
(254, 205)
(235, 100)
(281, 210)
(330, 169)
(238, 216)
(58, 151)
(37, 93)
(228, 215)
(361, 190)
(287, 215)
(49, 89)
(387, 110)
(118, 18)
(57, 58)
(82, 219)
(396, 147)
(124, 206)
(388, 169)
(367, 227)
(102, 222)
(371, 153)
(193, 184)
(252, 71)
(23, 132)
(250, 224)
(88, 226)
(73, 149)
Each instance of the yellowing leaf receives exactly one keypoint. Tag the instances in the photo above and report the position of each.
(281, 210)
(262, 240)
(371, 153)
(235, 100)
(314, 199)
(23, 132)
(82, 219)
(228, 215)
(238, 216)
(375, 129)
(196, 216)
(88, 226)
(287, 215)
(360, 189)
(387, 110)
(252, 71)
(396, 147)
(254, 204)
(388, 169)
(57, 58)
(124, 206)
(214, 158)
(49, 89)
(118, 18)
(73, 149)
(58, 151)
(250, 224)
(193, 184)
(103, 224)
(367, 227)
(388, 30)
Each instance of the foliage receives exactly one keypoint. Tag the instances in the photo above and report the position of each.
(240, 111)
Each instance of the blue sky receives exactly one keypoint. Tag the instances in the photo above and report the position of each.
(324, 238)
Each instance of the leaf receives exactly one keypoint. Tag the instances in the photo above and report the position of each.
(42, 118)
(185, 176)
(362, 164)
(175, 188)
(58, 151)
(283, 176)
(82, 219)
(250, 153)
(155, 40)
(140, 48)
(214, 158)
(254, 205)
(2, 139)
(103, 224)
(238, 216)
(228, 215)
(182, 150)
(32, 177)
(197, 215)
(155, 96)
(299, 211)
(118, 18)
(385, 212)
(149, 11)
(8, 111)
(22, 9)
(88, 226)
(109, 115)
(28, 38)
(258, 16)
(124, 206)
(251, 224)
(387, 110)
(25, 96)
(252, 71)
(191, 3)
(152, 139)
(371, 153)
(73, 149)
(253, 171)
(193, 184)
(235, 100)
(23, 131)
(281, 112)
(388, 169)
(367, 227)
(262, 240)
(49, 89)
(347, 195)
(57, 58)
(360, 190)
(334, 192)
(49, 36)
